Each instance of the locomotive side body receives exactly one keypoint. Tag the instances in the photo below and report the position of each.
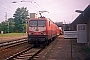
(41, 30)
(58, 30)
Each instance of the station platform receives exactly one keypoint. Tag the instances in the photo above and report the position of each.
(61, 51)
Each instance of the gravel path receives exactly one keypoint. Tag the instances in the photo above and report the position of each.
(60, 51)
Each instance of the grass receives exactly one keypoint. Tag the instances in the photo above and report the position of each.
(12, 34)
(86, 49)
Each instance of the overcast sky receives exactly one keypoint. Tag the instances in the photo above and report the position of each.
(59, 10)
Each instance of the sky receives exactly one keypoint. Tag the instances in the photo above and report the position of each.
(59, 10)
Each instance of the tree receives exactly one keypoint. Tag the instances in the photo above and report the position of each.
(0, 26)
(7, 26)
(11, 25)
(20, 18)
(4, 26)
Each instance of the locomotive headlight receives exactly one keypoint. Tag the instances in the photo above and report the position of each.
(44, 33)
(30, 33)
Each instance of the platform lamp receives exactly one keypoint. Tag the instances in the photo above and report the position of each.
(79, 11)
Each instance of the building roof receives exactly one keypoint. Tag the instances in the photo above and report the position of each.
(83, 17)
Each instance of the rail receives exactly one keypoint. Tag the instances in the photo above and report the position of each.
(26, 54)
(6, 45)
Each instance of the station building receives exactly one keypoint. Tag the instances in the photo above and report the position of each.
(82, 25)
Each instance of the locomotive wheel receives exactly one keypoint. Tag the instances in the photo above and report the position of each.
(46, 43)
(37, 45)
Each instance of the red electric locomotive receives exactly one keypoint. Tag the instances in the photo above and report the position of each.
(41, 30)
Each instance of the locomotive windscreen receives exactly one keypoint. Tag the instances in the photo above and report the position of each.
(37, 23)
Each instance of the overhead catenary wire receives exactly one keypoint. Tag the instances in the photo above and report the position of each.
(38, 5)
(34, 5)
(8, 4)
(6, 9)
(11, 9)
(30, 2)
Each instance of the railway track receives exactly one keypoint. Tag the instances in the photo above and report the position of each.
(26, 54)
(9, 44)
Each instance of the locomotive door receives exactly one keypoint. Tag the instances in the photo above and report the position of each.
(82, 36)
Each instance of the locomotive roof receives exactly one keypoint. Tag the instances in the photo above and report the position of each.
(37, 18)
(40, 19)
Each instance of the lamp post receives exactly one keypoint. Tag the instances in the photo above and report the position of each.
(23, 30)
(26, 25)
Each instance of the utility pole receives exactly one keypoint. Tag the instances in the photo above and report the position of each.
(6, 16)
(7, 21)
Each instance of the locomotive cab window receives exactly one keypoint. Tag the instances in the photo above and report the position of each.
(41, 23)
(33, 23)
(37, 23)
